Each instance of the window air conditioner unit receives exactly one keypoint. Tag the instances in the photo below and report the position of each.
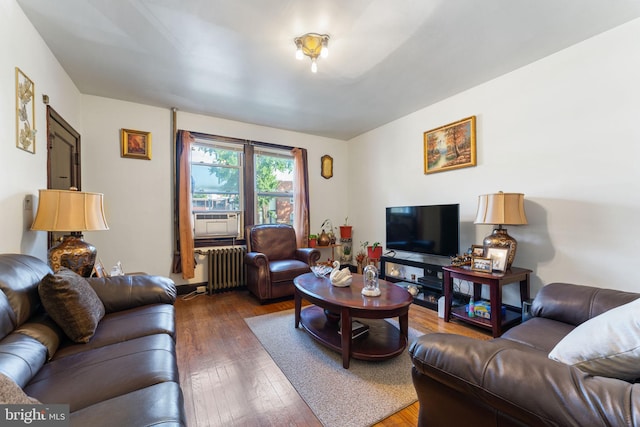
(216, 224)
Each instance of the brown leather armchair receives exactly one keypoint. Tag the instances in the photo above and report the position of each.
(273, 260)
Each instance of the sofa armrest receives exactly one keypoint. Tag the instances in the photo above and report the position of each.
(525, 385)
(308, 255)
(256, 259)
(123, 292)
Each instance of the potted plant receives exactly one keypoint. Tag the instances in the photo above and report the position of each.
(313, 240)
(346, 230)
(374, 251)
(361, 256)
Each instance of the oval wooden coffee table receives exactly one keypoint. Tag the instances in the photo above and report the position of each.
(334, 306)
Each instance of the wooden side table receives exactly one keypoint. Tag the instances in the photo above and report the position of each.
(498, 322)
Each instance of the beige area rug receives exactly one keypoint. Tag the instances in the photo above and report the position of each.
(360, 396)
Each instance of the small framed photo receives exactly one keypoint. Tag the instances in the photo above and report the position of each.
(498, 256)
(136, 144)
(481, 264)
(477, 250)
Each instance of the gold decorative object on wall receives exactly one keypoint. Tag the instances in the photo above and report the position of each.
(25, 113)
(136, 144)
(451, 146)
(326, 166)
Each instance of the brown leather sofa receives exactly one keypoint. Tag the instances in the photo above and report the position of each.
(510, 381)
(126, 375)
(273, 260)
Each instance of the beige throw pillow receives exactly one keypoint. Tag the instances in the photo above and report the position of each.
(607, 345)
(72, 304)
(12, 394)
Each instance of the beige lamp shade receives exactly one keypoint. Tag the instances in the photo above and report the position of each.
(501, 209)
(66, 210)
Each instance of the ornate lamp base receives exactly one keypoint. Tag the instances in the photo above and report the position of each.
(501, 238)
(73, 253)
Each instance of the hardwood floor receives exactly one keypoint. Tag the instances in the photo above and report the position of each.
(227, 377)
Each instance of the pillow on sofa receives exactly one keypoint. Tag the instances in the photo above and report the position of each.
(12, 394)
(72, 304)
(607, 345)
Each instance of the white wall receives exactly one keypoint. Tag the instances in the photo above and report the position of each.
(138, 193)
(563, 131)
(23, 173)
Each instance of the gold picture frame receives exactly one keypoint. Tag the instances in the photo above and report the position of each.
(326, 166)
(25, 113)
(481, 264)
(136, 144)
(451, 146)
(498, 256)
(477, 250)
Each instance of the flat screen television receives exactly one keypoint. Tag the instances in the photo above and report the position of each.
(433, 230)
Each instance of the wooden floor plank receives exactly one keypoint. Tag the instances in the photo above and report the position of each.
(229, 379)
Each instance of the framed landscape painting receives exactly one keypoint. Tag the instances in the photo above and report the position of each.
(136, 144)
(451, 146)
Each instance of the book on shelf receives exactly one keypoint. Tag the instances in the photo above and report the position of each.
(357, 329)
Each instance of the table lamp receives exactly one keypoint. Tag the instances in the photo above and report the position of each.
(501, 209)
(74, 212)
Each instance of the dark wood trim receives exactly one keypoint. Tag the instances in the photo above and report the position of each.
(52, 115)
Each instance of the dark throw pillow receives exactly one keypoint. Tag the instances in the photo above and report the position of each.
(72, 304)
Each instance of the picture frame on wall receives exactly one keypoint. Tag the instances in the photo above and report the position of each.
(498, 256)
(135, 144)
(451, 146)
(326, 166)
(25, 113)
(481, 264)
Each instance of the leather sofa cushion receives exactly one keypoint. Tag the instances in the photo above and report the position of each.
(126, 325)
(276, 241)
(21, 357)
(72, 303)
(45, 330)
(575, 304)
(93, 376)
(538, 332)
(19, 279)
(287, 270)
(151, 406)
(119, 293)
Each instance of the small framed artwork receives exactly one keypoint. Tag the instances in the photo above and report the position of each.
(326, 166)
(477, 250)
(481, 264)
(498, 256)
(25, 113)
(136, 144)
(451, 146)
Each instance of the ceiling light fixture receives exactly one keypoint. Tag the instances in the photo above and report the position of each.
(312, 45)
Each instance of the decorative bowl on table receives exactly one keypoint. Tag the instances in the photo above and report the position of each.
(321, 270)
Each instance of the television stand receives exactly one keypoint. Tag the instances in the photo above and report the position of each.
(427, 277)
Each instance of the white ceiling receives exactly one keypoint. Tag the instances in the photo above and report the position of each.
(234, 59)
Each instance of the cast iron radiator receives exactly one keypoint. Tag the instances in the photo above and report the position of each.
(226, 269)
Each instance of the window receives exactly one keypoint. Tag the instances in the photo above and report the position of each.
(216, 177)
(254, 179)
(273, 187)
